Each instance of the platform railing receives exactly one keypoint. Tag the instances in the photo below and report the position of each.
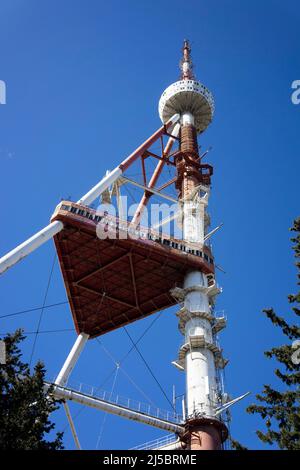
(220, 314)
(156, 443)
(140, 233)
(125, 402)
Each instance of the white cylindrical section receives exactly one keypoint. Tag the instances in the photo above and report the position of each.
(186, 119)
(21, 251)
(185, 66)
(97, 190)
(198, 326)
(193, 221)
(200, 382)
(199, 362)
(71, 360)
(196, 301)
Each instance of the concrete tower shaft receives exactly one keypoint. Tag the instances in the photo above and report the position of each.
(188, 177)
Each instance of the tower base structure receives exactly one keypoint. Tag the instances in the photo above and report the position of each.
(204, 434)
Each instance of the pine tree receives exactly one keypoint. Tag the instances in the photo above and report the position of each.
(235, 445)
(280, 409)
(24, 405)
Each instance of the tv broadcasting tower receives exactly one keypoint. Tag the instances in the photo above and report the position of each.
(118, 279)
(199, 356)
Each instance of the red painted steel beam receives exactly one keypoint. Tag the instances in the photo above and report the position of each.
(101, 268)
(134, 282)
(154, 178)
(109, 297)
(168, 183)
(140, 150)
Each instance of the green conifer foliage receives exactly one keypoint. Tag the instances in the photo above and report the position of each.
(280, 409)
(24, 406)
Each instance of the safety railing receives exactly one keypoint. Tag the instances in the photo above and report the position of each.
(125, 402)
(157, 443)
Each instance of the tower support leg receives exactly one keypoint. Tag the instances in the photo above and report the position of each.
(27, 247)
(71, 360)
(72, 426)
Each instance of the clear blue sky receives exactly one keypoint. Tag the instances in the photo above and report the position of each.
(83, 83)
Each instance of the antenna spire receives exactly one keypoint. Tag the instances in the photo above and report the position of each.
(186, 64)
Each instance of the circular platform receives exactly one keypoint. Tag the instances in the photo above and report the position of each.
(187, 96)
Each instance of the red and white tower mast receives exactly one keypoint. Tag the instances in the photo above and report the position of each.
(199, 355)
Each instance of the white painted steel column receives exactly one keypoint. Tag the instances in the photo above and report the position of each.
(71, 360)
(30, 245)
(72, 426)
(98, 189)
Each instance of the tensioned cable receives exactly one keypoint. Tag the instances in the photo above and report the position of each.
(130, 194)
(118, 366)
(162, 175)
(45, 331)
(137, 387)
(105, 415)
(43, 307)
(108, 352)
(132, 347)
(122, 360)
(148, 367)
(42, 311)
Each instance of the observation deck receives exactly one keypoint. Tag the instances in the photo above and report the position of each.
(127, 275)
